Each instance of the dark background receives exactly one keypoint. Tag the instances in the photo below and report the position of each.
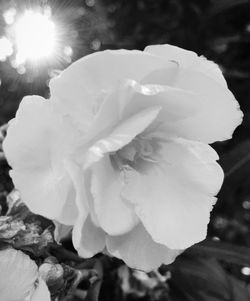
(217, 29)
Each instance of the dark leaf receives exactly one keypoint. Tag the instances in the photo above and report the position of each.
(222, 251)
(199, 279)
(236, 163)
(220, 6)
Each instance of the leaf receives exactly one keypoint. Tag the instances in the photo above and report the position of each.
(202, 279)
(236, 163)
(239, 290)
(220, 6)
(222, 251)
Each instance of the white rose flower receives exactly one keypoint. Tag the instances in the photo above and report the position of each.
(120, 151)
(19, 279)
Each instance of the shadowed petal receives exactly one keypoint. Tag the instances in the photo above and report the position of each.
(61, 231)
(139, 251)
(18, 275)
(174, 196)
(130, 98)
(37, 141)
(124, 133)
(115, 215)
(77, 177)
(41, 293)
(92, 239)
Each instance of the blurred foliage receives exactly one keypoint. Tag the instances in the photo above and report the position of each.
(220, 30)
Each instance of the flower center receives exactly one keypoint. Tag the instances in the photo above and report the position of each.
(140, 150)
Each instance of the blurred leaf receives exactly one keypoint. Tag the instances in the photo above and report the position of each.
(222, 251)
(236, 163)
(239, 290)
(219, 6)
(197, 279)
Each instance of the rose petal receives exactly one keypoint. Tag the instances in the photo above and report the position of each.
(139, 251)
(174, 196)
(44, 194)
(188, 59)
(186, 111)
(78, 87)
(41, 293)
(115, 215)
(81, 200)
(122, 134)
(219, 113)
(61, 231)
(18, 275)
(176, 104)
(185, 58)
(130, 98)
(92, 239)
(37, 141)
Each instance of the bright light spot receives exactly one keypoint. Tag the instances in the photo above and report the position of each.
(90, 3)
(245, 271)
(14, 64)
(35, 37)
(68, 51)
(5, 48)
(21, 69)
(246, 205)
(96, 44)
(9, 15)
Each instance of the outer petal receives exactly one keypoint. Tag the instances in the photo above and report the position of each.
(45, 194)
(115, 215)
(18, 275)
(78, 87)
(41, 293)
(219, 114)
(188, 59)
(61, 231)
(78, 179)
(139, 251)
(92, 239)
(37, 141)
(174, 196)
